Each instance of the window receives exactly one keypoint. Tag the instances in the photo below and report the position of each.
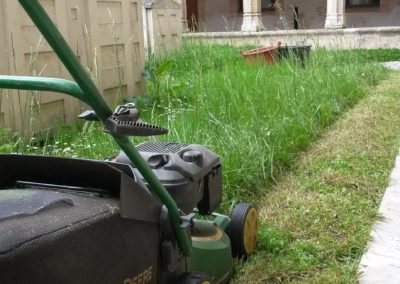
(362, 3)
(266, 5)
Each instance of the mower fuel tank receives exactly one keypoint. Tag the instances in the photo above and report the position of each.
(190, 173)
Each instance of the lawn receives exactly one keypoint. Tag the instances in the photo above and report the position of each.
(256, 117)
(318, 216)
(259, 119)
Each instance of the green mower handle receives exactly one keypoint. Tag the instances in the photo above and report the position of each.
(42, 84)
(87, 91)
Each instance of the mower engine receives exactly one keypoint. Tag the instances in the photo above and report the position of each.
(192, 174)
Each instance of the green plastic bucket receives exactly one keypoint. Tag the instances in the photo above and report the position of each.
(298, 53)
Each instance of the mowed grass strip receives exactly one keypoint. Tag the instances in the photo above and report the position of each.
(317, 219)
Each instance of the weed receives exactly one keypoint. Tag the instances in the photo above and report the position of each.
(256, 117)
(381, 54)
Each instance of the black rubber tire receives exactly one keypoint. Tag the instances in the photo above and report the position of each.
(243, 213)
(194, 278)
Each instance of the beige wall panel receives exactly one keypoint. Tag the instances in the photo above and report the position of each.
(44, 63)
(78, 33)
(109, 11)
(139, 84)
(2, 121)
(165, 26)
(106, 36)
(136, 30)
(48, 5)
(134, 11)
(51, 113)
(4, 97)
(168, 33)
(110, 34)
(114, 95)
(31, 40)
(73, 16)
(114, 77)
(112, 55)
(135, 48)
(3, 41)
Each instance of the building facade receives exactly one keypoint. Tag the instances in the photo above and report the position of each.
(258, 15)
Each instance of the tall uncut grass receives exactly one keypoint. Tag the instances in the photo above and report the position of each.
(255, 116)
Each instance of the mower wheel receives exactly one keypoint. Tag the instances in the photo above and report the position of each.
(194, 278)
(243, 230)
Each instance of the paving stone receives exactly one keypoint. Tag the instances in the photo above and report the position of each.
(377, 269)
(381, 261)
(394, 65)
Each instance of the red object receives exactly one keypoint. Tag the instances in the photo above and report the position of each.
(267, 54)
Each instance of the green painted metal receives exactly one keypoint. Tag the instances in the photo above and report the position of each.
(222, 221)
(42, 84)
(212, 256)
(95, 100)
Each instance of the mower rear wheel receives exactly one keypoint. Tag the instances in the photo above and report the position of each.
(194, 278)
(243, 230)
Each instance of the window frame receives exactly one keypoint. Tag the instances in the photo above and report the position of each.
(374, 4)
(269, 9)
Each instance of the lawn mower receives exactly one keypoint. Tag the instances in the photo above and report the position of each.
(146, 215)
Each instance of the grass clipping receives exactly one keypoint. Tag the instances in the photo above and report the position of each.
(316, 221)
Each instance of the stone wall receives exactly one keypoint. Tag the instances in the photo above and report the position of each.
(382, 37)
(162, 24)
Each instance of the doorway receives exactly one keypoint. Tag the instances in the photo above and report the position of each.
(192, 10)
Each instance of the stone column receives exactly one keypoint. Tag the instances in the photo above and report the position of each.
(335, 18)
(252, 20)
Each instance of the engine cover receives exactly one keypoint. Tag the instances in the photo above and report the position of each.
(191, 173)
